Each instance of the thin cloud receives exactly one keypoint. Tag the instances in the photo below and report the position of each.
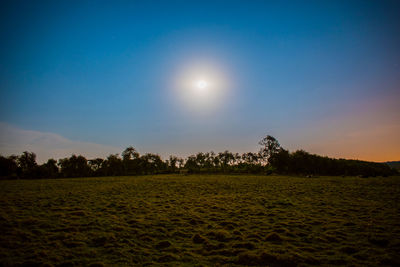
(48, 145)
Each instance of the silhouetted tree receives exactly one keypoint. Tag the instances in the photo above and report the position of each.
(209, 161)
(270, 147)
(113, 165)
(181, 163)
(8, 167)
(75, 166)
(172, 163)
(130, 158)
(130, 153)
(27, 164)
(152, 163)
(217, 162)
(48, 169)
(96, 166)
(191, 164)
(226, 159)
(250, 158)
(280, 161)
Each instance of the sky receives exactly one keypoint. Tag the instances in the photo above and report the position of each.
(95, 77)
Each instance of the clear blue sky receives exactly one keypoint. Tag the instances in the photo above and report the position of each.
(318, 75)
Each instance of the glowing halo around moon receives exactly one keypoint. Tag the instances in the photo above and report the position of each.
(200, 87)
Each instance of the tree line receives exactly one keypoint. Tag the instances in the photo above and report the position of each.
(271, 158)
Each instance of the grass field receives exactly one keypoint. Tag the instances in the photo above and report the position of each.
(200, 220)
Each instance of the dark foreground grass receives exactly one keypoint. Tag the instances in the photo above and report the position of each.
(200, 220)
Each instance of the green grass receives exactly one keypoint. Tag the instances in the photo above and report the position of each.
(200, 220)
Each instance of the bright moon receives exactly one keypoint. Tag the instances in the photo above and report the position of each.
(201, 84)
(200, 87)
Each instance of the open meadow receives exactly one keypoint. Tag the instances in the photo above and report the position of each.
(200, 220)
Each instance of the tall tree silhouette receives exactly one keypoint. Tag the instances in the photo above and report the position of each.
(270, 146)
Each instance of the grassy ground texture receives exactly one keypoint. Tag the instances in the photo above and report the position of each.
(200, 220)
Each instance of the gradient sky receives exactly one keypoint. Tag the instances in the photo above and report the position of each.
(99, 76)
